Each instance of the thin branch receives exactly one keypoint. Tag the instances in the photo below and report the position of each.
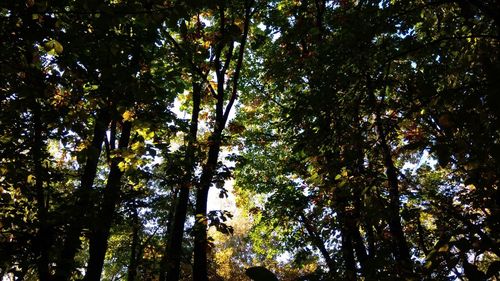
(229, 56)
(271, 98)
(239, 63)
(108, 150)
(198, 71)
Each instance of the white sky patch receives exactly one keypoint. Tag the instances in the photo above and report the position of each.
(217, 203)
(424, 159)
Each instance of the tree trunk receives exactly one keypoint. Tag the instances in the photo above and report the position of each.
(168, 234)
(102, 224)
(66, 262)
(421, 240)
(401, 251)
(43, 235)
(174, 246)
(347, 246)
(200, 266)
(318, 242)
(360, 250)
(134, 263)
(358, 155)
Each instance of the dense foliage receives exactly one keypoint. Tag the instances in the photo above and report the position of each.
(352, 140)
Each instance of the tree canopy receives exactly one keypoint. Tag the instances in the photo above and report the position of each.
(343, 140)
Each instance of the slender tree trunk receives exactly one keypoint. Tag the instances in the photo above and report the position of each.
(134, 248)
(168, 234)
(401, 251)
(200, 263)
(102, 224)
(360, 250)
(358, 169)
(318, 242)
(371, 240)
(42, 244)
(66, 262)
(347, 246)
(200, 266)
(174, 246)
(43, 235)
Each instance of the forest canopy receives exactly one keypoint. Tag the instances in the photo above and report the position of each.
(249, 140)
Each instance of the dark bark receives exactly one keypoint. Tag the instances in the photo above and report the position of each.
(318, 243)
(371, 240)
(134, 247)
(401, 251)
(347, 246)
(102, 224)
(200, 266)
(43, 235)
(351, 205)
(402, 254)
(360, 250)
(66, 261)
(168, 235)
(357, 141)
(174, 246)
(42, 244)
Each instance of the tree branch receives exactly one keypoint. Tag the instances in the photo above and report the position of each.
(239, 63)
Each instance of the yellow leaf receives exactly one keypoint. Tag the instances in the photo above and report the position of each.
(31, 179)
(122, 166)
(150, 135)
(128, 115)
(53, 46)
(145, 133)
(58, 47)
(136, 146)
(443, 248)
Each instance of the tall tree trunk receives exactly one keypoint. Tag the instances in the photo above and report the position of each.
(401, 251)
(66, 261)
(421, 240)
(134, 247)
(174, 246)
(168, 234)
(200, 266)
(360, 250)
(102, 224)
(43, 235)
(358, 155)
(35, 79)
(347, 245)
(318, 242)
